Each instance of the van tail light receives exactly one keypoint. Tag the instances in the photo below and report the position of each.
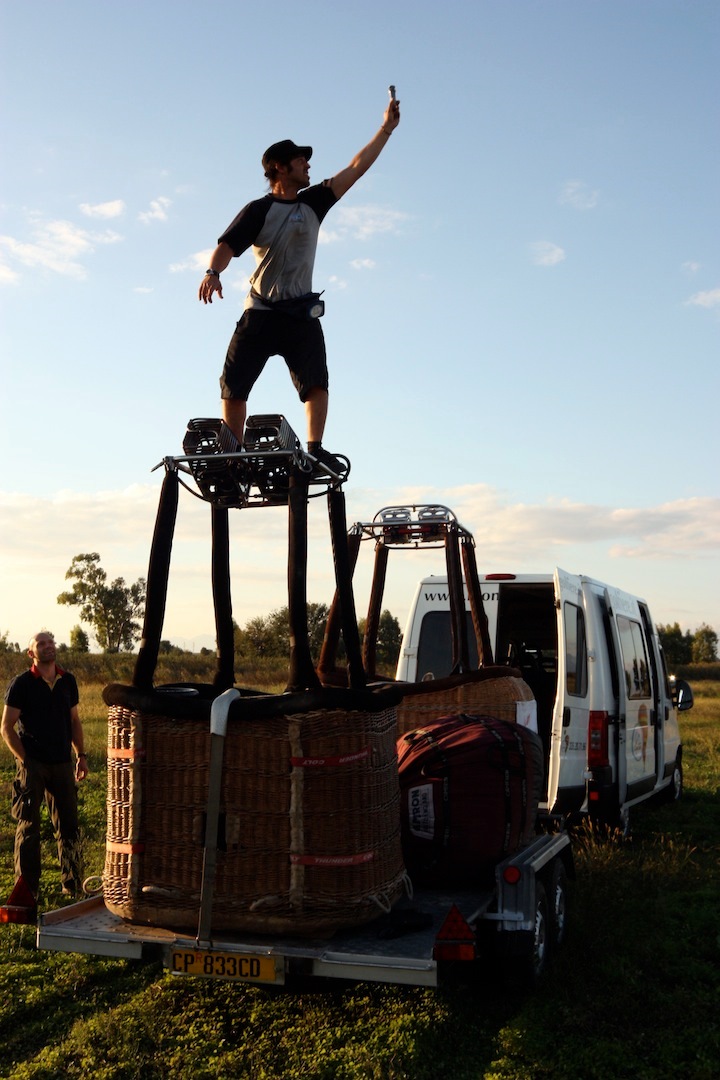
(598, 753)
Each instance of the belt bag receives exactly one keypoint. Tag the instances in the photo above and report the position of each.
(307, 306)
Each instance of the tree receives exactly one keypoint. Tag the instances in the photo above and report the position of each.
(110, 608)
(704, 645)
(269, 635)
(8, 646)
(389, 639)
(676, 645)
(79, 641)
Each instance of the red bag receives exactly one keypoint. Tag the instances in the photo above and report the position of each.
(470, 790)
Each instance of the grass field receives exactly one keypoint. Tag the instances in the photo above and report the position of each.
(634, 994)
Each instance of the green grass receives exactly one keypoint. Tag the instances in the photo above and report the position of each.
(634, 994)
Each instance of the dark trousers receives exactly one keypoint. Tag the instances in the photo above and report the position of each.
(37, 782)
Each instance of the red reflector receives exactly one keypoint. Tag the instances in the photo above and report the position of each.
(13, 913)
(500, 577)
(450, 950)
(598, 740)
(512, 875)
(594, 796)
(21, 906)
(455, 928)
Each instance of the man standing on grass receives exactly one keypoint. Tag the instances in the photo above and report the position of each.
(41, 726)
(280, 317)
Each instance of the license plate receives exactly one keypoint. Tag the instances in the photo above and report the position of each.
(224, 965)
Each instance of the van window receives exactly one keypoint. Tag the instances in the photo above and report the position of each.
(635, 662)
(576, 681)
(435, 645)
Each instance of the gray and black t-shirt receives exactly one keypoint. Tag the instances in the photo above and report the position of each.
(283, 235)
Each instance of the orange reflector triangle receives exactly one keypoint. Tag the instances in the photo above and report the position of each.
(22, 895)
(21, 906)
(455, 928)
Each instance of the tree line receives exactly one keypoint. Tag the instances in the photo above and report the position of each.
(683, 647)
(113, 610)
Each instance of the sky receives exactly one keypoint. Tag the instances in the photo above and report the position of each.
(522, 295)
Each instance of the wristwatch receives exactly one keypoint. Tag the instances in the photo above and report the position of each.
(212, 273)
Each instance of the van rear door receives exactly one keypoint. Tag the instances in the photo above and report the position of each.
(566, 779)
(637, 704)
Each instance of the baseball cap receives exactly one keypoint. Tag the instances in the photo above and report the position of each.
(284, 151)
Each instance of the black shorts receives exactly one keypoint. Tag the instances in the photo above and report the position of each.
(262, 334)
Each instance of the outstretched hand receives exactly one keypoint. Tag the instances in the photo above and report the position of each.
(392, 115)
(210, 284)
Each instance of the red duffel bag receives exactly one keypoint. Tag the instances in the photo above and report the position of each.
(470, 791)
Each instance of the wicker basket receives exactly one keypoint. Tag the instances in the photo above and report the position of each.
(490, 691)
(309, 833)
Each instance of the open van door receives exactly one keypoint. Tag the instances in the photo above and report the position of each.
(637, 701)
(568, 755)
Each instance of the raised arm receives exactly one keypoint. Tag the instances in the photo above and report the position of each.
(362, 161)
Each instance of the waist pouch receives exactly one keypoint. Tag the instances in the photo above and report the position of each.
(307, 306)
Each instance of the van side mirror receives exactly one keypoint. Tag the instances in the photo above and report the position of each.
(682, 695)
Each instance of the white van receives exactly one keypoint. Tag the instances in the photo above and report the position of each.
(607, 711)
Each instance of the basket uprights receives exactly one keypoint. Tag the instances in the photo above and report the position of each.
(331, 640)
(479, 618)
(302, 672)
(225, 672)
(458, 622)
(344, 567)
(374, 608)
(157, 582)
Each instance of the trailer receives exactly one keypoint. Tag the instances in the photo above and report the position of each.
(221, 909)
(518, 920)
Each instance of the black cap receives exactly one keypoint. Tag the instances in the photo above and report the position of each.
(283, 152)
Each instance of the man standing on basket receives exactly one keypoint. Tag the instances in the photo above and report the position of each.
(282, 229)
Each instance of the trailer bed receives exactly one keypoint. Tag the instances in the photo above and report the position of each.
(398, 947)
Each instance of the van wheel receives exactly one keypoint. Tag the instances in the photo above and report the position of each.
(674, 791)
(613, 825)
(558, 904)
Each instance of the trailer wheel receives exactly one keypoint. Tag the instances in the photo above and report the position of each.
(537, 958)
(558, 904)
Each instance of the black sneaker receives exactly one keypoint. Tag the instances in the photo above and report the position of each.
(327, 462)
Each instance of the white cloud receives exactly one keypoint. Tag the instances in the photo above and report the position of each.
(103, 210)
(157, 212)
(363, 264)
(337, 283)
(708, 299)
(546, 254)
(197, 261)
(510, 535)
(361, 222)
(7, 276)
(690, 267)
(578, 194)
(57, 246)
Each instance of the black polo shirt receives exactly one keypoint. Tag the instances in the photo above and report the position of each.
(45, 725)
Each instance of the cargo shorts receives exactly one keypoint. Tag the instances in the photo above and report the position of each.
(262, 334)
